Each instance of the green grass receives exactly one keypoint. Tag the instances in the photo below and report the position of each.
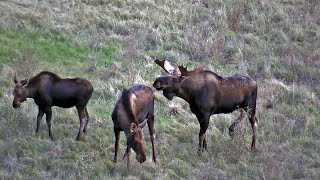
(114, 43)
(50, 48)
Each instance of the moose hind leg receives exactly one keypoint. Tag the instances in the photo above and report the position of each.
(116, 147)
(48, 119)
(152, 136)
(253, 119)
(81, 113)
(254, 125)
(236, 122)
(87, 121)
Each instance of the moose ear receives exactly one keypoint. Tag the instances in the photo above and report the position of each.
(133, 127)
(15, 79)
(175, 80)
(185, 72)
(25, 82)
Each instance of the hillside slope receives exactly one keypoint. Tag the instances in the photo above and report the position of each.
(113, 43)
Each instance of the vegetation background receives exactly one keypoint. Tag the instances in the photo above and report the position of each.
(113, 43)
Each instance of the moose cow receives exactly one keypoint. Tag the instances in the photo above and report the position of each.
(132, 112)
(208, 93)
(47, 89)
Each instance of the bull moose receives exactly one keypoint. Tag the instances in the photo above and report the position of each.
(47, 89)
(208, 93)
(133, 110)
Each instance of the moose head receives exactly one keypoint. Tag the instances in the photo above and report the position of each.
(176, 74)
(20, 92)
(136, 142)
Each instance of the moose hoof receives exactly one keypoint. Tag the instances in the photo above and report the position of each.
(81, 137)
(254, 149)
(200, 151)
(85, 131)
(114, 160)
(38, 134)
(53, 139)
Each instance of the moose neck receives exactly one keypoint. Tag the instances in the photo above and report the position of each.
(185, 90)
(30, 91)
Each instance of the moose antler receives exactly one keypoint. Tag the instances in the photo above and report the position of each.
(170, 68)
(185, 72)
(15, 79)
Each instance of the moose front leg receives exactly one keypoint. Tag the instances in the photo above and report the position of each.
(127, 155)
(204, 123)
(205, 146)
(39, 118)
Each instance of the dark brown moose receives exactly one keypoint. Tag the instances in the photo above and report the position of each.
(132, 112)
(47, 90)
(208, 93)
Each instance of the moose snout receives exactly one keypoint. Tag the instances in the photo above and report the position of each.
(157, 85)
(141, 159)
(15, 105)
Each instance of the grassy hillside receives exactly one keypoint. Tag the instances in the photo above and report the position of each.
(113, 44)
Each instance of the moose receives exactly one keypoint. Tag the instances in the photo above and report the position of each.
(47, 89)
(208, 93)
(133, 110)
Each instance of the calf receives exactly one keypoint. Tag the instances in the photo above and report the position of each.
(132, 111)
(47, 89)
(208, 93)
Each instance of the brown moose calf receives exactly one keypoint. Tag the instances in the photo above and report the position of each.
(47, 89)
(132, 111)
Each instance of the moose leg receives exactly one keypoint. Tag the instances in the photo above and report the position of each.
(48, 119)
(152, 136)
(253, 119)
(116, 147)
(204, 123)
(237, 121)
(81, 113)
(87, 121)
(205, 142)
(39, 118)
(254, 125)
(127, 155)
(251, 112)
